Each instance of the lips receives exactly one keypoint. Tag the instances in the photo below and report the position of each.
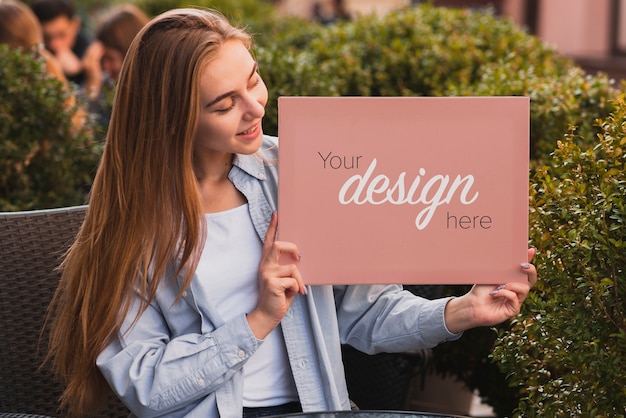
(249, 131)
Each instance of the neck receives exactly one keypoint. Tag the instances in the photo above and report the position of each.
(213, 168)
(217, 191)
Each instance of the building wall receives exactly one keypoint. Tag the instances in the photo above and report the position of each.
(304, 8)
(576, 27)
(374, 6)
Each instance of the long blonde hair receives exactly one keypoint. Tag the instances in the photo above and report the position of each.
(144, 207)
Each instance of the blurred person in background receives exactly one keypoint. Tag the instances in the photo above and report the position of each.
(19, 28)
(114, 33)
(63, 36)
(327, 13)
(103, 60)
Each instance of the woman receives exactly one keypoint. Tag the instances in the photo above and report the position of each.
(20, 29)
(114, 34)
(172, 293)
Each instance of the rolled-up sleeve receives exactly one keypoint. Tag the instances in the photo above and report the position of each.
(385, 318)
(154, 373)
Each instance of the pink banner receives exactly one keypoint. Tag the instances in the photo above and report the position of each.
(420, 190)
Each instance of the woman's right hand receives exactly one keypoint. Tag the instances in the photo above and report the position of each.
(278, 283)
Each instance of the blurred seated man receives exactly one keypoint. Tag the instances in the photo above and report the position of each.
(62, 35)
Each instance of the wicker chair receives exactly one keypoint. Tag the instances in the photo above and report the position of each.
(31, 246)
(381, 381)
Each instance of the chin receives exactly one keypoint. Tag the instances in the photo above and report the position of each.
(250, 146)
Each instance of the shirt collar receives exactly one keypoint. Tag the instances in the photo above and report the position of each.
(252, 164)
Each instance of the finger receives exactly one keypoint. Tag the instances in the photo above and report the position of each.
(270, 235)
(531, 253)
(284, 270)
(514, 289)
(274, 252)
(291, 287)
(291, 271)
(288, 248)
(279, 247)
(301, 286)
(531, 272)
(517, 287)
(514, 293)
(289, 279)
(286, 282)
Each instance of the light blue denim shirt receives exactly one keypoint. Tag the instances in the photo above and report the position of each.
(181, 359)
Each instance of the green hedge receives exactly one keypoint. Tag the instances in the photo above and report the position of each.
(44, 161)
(558, 101)
(566, 352)
(430, 51)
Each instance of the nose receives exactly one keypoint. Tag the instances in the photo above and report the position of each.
(255, 102)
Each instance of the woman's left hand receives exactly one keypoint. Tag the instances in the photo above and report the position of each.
(486, 305)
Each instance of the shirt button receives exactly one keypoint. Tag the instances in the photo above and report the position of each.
(185, 294)
(241, 353)
(200, 382)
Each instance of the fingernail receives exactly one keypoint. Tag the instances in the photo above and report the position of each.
(306, 292)
(497, 290)
(299, 256)
(525, 266)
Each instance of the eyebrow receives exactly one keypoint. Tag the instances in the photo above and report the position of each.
(230, 93)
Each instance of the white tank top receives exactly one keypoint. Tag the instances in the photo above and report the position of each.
(228, 271)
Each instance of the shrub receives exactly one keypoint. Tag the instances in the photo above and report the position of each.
(430, 51)
(557, 101)
(566, 352)
(44, 161)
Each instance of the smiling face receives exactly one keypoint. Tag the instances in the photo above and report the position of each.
(232, 105)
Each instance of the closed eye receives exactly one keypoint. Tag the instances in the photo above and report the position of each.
(255, 80)
(233, 101)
